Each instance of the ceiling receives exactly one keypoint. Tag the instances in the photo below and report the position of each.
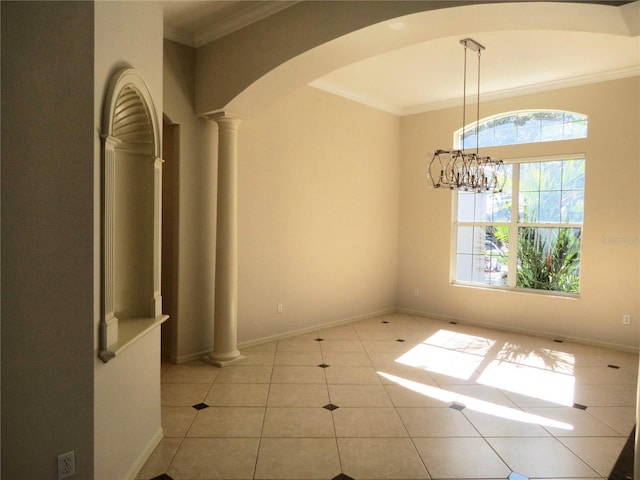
(428, 75)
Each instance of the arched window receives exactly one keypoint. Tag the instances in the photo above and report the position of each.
(528, 236)
(524, 126)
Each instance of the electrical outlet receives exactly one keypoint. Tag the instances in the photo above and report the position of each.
(416, 292)
(279, 308)
(626, 319)
(66, 465)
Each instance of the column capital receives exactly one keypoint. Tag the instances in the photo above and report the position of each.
(222, 116)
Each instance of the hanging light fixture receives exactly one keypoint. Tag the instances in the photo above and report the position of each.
(461, 170)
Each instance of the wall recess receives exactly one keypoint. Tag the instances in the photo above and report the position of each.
(131, 196)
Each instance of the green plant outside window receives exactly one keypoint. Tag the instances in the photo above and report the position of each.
(527, 236)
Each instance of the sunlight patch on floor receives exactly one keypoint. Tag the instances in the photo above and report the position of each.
(533, 382)
(441, 360)
(475, 404)
(541, 373)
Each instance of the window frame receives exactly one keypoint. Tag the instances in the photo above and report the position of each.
(514, 224)
(457, 135)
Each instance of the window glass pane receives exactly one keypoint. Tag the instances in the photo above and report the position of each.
(470, 257)
(528, 120)
(469, 141)
(575, 129)
(529, 135)
(550, 175)
(496, 256)
(528, 207)
(466, 207)
(486, 138)
(572, 207)
(529, 177)
(506, 123)
(465, 240)
(478, 274)
(464, 267)
(552, 132)
(550, 203)
(505, 137)
(551, 118)
(574, 117)
(484, 206)
(549, 259)
(573, 175)
(501, 207)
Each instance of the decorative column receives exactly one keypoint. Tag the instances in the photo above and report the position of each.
(109, 322)
(225, 327)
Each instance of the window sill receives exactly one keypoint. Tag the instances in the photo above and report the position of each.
(524, 291)
(129, 332)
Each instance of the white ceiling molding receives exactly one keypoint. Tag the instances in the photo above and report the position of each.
(250, 14)
(456, 102)
(179, 36)
(525, 90)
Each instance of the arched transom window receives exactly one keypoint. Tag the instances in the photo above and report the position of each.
(524, 126)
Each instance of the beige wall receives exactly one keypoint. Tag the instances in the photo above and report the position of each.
(194, 223)
(318, 214)
(610, 257)
(47, 238)
(127, 389)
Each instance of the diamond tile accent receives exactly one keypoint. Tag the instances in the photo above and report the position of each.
(164, 476)
(558, 340)
(517, 476)
(385, 321)
(579, 406)
(401, 340)
(617, 367)
(457, 406)
(200, 406)
(331, 407)
(342, 476)
(453, 323)
(319, 339)
(324, 365)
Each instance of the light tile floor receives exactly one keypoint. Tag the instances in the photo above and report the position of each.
(399, 397)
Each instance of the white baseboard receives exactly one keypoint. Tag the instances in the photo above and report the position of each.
(189, 357)
(526, 331)
(144, 455)
(302, 331)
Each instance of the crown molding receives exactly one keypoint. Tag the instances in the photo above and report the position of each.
(179, 36)
(485, 97)
(529, 89)
(250, 14)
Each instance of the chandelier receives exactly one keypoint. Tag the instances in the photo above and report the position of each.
(461, 170)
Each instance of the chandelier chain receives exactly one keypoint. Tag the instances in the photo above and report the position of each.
(457, 169)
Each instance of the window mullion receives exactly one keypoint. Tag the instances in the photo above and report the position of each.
(513, 228)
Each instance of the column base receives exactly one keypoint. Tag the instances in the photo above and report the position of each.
(223, 362)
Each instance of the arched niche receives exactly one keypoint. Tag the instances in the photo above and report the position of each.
(131, 200)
